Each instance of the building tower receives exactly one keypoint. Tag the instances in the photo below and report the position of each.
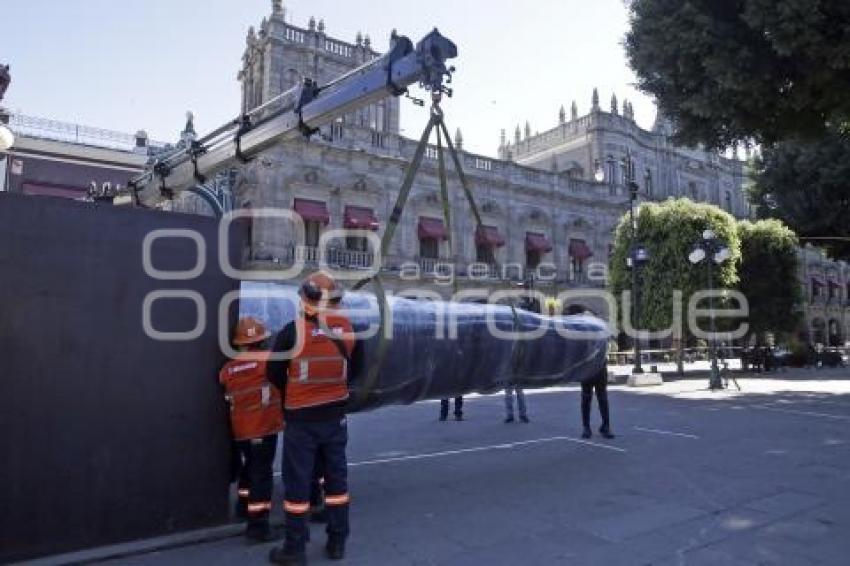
(280, 55)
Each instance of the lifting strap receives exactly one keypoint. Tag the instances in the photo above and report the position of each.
(435, 121)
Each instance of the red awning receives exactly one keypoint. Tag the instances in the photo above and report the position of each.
(54, 190)
(360, 218)
(314, 210)
(817, 281)
(537, 242)
(579, 249)
(489, 236)
(432, 228)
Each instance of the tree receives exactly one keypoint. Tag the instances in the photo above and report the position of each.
(729, 71)
(806, 184)
(768, 276)
(669, 230)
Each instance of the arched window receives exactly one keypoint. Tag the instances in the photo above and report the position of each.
(728, 201)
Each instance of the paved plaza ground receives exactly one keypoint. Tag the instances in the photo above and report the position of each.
(693, 477)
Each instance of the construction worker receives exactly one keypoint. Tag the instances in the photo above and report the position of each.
(313, 382)
(256, 419)
(600, 384)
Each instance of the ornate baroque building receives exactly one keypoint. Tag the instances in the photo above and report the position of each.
(540, 199)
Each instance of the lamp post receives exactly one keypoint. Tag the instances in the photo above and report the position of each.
(638, 254)
(712, 250)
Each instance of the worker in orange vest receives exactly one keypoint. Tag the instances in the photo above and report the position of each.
(256, 418)
(314, 388)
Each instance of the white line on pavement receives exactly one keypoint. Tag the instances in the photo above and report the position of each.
(483, 449)
(804, 413)
(505, 446)
(667, 432)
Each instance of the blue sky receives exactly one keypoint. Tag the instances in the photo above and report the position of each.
(127, 65)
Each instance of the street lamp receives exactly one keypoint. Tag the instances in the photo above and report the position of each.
(713, 249)
(638, 254)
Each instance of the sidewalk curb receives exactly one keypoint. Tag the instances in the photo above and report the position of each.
(142, 546)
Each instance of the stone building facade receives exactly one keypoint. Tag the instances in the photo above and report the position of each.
(547, 218)
(597, 143)
(825, 289)
(60, 159)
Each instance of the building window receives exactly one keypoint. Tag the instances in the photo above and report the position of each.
(356, 244)
(429, 248)
(378, 116)
(312, 230)
(483, 164)
(611, 176)
(431, 152)
(692, 191)
(532, 258)
(576, 267)
(336, 129)
(647, 182)
(728, 201)
(484, 254)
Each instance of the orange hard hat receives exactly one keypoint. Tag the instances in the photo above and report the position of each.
(249, 330)
(320, 290)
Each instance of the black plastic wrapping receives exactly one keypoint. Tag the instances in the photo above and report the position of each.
(418, 365)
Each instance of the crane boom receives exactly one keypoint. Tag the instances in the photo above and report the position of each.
(299, 112)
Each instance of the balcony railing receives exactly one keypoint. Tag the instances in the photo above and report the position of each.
(340, 258)
(56, 130)
(350, 259)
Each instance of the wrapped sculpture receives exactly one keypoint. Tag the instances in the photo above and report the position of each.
(436, 350)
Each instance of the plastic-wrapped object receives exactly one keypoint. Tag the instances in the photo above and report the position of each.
(436, 350)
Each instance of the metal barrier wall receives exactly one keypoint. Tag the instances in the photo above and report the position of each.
(107, 435)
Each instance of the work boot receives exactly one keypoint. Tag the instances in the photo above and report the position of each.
(524, 419)
(443, 417)
(458, 416)
(259, 532)
(586, 433)
(605, 431)
(509, 419)
(287, 557)
(335, 548)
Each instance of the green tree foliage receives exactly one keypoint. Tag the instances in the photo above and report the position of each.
(806, 184)
(734, 70)
(768, 276)
(669, 230)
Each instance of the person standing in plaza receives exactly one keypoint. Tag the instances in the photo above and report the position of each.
(444, 409)
(509, 404)
(598, 383)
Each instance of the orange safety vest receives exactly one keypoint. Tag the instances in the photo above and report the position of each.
(318, 372)
(255, 409)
